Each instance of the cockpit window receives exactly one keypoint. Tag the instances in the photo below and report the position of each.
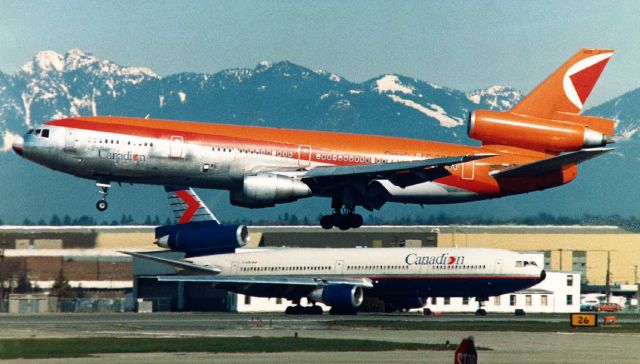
(45, 133)
(30, 131)
(38, 131)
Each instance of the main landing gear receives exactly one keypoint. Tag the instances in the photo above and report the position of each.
(343, 221)
(343, 216)
(102, 204)
(303, 310)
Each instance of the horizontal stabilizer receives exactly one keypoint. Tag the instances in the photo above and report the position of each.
(550, 164)
(190, 267)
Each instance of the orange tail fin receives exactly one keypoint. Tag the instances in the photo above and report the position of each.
(567, 89)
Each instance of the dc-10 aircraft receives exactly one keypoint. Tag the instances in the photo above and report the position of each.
(534, 146)
(401, 277)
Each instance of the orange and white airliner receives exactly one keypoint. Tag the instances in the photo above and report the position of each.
(534, 146)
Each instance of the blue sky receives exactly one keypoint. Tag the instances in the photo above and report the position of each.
(460, 44)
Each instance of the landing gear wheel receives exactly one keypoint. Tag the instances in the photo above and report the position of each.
(327, 222)
(102, 205)
(356, 220)
(481, 312)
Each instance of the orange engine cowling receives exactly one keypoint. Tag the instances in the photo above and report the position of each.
(556, 136)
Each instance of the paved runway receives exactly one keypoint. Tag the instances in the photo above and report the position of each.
(507, 347)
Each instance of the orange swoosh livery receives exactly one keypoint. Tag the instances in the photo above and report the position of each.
(536, 145)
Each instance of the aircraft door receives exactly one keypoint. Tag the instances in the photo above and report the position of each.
(468, 170)
(339, 266)
(499, 266)
(234, 268)
(70, 141)
(304, 155)
(175, 150)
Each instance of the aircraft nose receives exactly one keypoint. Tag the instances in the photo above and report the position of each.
(18, 147)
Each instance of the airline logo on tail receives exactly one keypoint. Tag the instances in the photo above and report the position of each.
(579, 80)
(187, 206)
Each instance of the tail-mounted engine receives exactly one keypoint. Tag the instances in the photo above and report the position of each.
(202, 238)
(566, 133)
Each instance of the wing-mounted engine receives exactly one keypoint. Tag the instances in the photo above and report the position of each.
(267, 190)
(571, 133)
(202, 238)
(338, 296)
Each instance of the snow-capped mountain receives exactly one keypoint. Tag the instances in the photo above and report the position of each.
(280, 94)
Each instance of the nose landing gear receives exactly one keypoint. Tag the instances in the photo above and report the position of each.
(102, 204)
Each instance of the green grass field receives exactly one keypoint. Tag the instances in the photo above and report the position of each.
(82, 347)
(482, 325)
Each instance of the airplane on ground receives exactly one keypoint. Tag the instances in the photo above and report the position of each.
(534, 146)
(403, 278)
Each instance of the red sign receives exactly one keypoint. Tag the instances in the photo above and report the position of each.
(466, 352)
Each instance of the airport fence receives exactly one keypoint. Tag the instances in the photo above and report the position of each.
(91, 305)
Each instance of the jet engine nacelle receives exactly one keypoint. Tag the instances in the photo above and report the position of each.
(202, 238)
(268, 189)
(405, 303)
(341, 296)
(506, 128)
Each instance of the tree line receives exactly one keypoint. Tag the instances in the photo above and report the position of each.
(630, 223)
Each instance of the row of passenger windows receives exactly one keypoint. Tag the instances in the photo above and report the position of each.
(360, 267)
(117, 142)
(319, 156)
(281, 269)
(448, 267)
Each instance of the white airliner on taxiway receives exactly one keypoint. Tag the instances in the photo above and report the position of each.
(401, 277)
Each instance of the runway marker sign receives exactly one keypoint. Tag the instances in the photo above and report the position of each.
(584, 320)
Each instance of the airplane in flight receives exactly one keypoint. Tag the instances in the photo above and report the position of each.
(534, 146)
(403, 278)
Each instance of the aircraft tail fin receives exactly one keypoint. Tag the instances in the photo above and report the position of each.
(567, 89)
(187, 206)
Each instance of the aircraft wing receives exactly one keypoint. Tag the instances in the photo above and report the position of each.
(550, 164)
(180, 264)
(402, 174)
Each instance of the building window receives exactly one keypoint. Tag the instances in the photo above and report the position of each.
(278, 300)
(447, 300)
(434, 300)
(496, 301)
(247, 300)
(569, 299)
(512, 300)
(579, 264)
(528, 300)
(569, 280)
(543, 300)
(547, 260)
(465, 300)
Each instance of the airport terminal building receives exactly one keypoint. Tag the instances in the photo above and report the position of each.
(88, 258)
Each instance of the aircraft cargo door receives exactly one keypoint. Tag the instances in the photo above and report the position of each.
(468, 170)
(175, 150)
(499, 266)
(304, 155)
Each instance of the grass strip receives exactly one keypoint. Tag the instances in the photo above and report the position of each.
(82, 347)
(478, 325)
